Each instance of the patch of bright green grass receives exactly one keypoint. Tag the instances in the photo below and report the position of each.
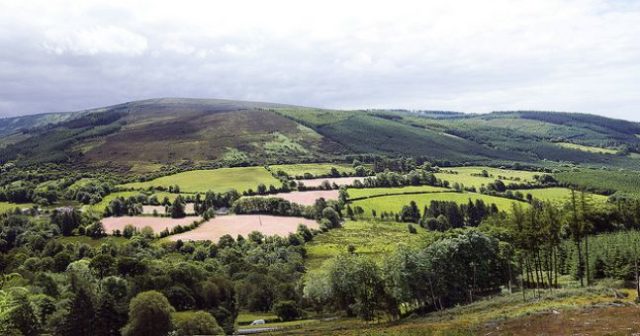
(355, 193)
(590, 149)
(245, 317)
(92, 242)
(560, 195)
(312, 168)
(368, 237)
(508, 174)
(100, 206)
(6, 206)
(394, 204)
(218, 180)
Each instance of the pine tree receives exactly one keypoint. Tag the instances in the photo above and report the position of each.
(80, 319)
(108, 321)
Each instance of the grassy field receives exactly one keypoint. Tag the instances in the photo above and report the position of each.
(395, 203)
(369, 237)
(355, 193)
(525, 176)
(92, 242)
(560, 195)
(623, 181)
(590, 149)
(6, 206)
(316, 169)
(218, 180)
(99, 207)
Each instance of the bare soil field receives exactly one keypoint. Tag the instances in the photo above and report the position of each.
(243, 225)
(337, 180)
(148, 209)
(156, 223)
(306, 197)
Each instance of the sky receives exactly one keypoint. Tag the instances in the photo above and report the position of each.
(470, 56)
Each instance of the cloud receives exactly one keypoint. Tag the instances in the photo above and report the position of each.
(474, 56)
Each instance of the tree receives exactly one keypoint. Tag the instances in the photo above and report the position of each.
(177, 209)
(102, 265)
(331, 215)
(108, 320)
(80, 319)
(197, 323)
(21, 317)
(149, 314)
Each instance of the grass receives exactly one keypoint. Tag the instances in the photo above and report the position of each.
(316, 169)
(7, 206)
(590, 149)
(245, 317)
(560, 195)
(356, 193)
(368, 237)
(218, 180)
(100, 206)
(482, 317)
(394, 204)
(92, 242)
(508, 174)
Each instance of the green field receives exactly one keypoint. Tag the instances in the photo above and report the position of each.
(218, 180)
(6, 206)
(395, 203)
(560, 195)
(368, 237)
(590, 149)
(316, 169)
(92, 242)
(622, 181)
(465, 180)
(355, 193)
(525, 176)
(99, 207)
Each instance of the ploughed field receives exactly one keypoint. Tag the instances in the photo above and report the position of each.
(243, 225)
(156, 223)
(341, 181)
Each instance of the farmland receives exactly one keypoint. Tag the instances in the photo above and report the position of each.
(337, 180)
(560, 195)
(393, 204)
(315, 169)
(357, 193)
(306, 197)
(235, 225)
(368, 237)
(6, 206)
(156, 223)
(505, 174)
(590, 149)
(217, 180)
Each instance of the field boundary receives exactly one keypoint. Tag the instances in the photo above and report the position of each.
(404, 193)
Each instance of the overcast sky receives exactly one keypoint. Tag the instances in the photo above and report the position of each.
(473, 56)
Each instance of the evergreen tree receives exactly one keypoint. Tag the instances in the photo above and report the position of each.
(109, 320)
(80, 319)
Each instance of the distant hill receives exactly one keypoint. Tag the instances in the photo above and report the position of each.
(173, 130)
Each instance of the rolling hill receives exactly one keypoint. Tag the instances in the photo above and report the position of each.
(174, 130)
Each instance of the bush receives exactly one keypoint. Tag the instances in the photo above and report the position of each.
(197, 323)
(286, 310)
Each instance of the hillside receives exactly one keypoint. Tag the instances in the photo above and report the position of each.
(171, 131)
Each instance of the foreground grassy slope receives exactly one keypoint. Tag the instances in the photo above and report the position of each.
(218, 180)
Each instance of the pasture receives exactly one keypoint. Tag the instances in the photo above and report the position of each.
(217, 180)
(589, 149)
(394, 204)
(356, 193)
(508, 174)
(306, 197)
(100, 206)
(7, 206)
(243, 225)
(368, 237)
(156, 223)
(315, 169)
(560, 195)
(346, 181)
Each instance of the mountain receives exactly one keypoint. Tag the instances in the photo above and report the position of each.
(175, 130)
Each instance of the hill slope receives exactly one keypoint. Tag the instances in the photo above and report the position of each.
(170, 130)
